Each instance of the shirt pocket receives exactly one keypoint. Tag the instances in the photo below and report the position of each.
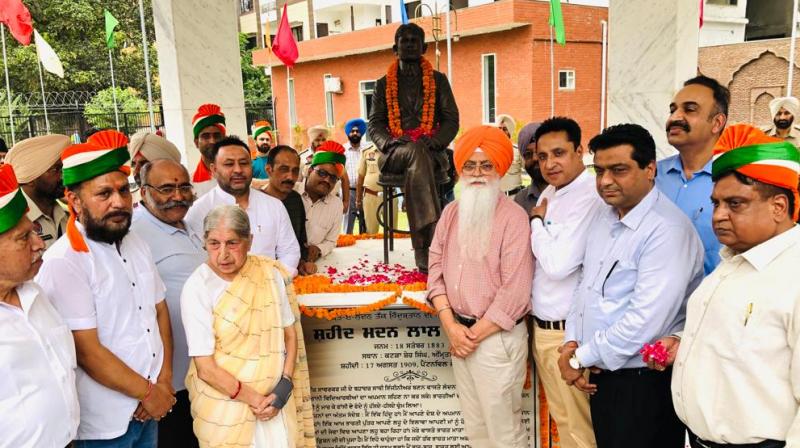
(62, 343)
(617, 282)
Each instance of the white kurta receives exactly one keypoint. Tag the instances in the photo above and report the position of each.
(202, 292)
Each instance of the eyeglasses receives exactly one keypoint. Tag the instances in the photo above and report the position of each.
(326, 175)
(169, 190)
(483, 167)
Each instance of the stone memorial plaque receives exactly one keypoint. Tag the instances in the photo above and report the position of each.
(385, 380)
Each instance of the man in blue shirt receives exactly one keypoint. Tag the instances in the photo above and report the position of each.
(262, 134)
(167, 195)
(642, 260)
(698, 114)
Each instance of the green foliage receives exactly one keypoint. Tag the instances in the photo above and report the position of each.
(256, 83)
(99, 112)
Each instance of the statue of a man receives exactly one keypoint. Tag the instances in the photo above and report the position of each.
(414, 117)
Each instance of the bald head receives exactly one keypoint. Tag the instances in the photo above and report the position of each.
(166, 191)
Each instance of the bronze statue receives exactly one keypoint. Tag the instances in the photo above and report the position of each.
(414, 117)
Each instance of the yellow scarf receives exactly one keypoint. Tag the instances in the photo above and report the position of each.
(249, 345)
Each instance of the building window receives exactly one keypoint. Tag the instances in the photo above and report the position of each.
(298, 32)
(388, 14)
(489, 81)
(366, 91)
(246, 6)
(566, 80)
(411, 9)
(292, 107)
(322, 29)
(329, 116)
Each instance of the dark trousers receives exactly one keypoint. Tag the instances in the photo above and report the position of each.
(175, 430)
(354, 213)
(633, 407)
(697, 443)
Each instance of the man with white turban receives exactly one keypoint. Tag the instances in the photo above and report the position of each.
(37, 164)
(783, 111)
(146, 147)
(480, 284)
(511, 183)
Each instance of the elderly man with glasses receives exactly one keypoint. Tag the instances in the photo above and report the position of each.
(323, 207)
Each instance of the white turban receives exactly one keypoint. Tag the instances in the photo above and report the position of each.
(789, 103)
(315, 131)
(511, 125)
(32, 157)
(153, 147)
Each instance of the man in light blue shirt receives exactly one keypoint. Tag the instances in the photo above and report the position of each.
(167, 195)
(698, 114)
(642, 260)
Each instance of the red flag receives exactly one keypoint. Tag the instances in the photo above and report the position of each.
(284, 46)
(701, 13)
(18, 19)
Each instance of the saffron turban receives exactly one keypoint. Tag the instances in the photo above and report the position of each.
(356, 123)
(13, 205)
(153, 147)
(330, 152)
(32, 157)
(749, 151)
(789, 103)
(492, 141)
(316, 131)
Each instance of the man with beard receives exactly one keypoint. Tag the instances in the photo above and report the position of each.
(479, 283)
(283, 166)
(37, 354)
(317, 135)
(783, 111)
(560, 223)
(414, 118)
(144, 148)
(526, 145)
(355, 130)
(37, 164)
(642, 260)
(104, 283)
(322, 206)
(167, 195)
(233, 171)
(208, 127)
(698, 114)
(511, 183)
(262, 134)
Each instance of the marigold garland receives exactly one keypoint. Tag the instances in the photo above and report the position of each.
(335, 313)
(428, 104)
(348, 240)
(320, 283)
(419, 305)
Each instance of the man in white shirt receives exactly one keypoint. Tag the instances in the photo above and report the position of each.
(736, 378)
(322, 206)
(273, 236)
(355, 130)
(560, 223)
(38, 400)
(103, 282)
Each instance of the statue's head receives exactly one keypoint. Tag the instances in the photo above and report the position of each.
(409, 42)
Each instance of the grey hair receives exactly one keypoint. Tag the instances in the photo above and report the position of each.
(235, 218)
(144, 173)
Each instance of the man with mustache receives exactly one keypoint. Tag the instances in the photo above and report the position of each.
(642, 260)
(104, 283)
(37, 164)
(698, 114)
(167, 195)
(526, 145)
(283, 166)
(262, 134)
(783, 111)
(208, 127)
(37, 354)
(355, 130)
(511, 183)
(479, 283)
(272, 229)
(322, 206)
(146, 147)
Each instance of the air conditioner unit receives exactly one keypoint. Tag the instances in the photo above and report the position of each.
(333, 85)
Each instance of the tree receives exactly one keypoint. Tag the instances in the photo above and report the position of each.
(99, 112)
(256, 83)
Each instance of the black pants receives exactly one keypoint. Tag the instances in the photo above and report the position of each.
(696, 443)
(633, 408)
(175, 430)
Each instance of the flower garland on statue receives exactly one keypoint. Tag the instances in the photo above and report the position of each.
(425, 127)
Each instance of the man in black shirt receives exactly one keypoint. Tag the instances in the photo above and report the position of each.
(283, 167)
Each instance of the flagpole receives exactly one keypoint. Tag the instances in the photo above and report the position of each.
(44, 100)
(791, 50)
(552, 77)
(147, 69)
(289, 104)
(113, 90)
(8, 87)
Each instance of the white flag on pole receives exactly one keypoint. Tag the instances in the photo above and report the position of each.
(47, 56)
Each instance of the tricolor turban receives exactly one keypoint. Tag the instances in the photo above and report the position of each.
(330, 152)
(13, 205)
(104, 152)
(208, 115)
(749, 151)
(316, 131)
(789, 103)
(32, 157)
(153, 147)
(356, 123)
(260, 127)
(492, 141)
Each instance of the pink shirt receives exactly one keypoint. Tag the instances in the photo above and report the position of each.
(497, 287)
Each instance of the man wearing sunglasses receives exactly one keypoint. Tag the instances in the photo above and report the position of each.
(323, 207)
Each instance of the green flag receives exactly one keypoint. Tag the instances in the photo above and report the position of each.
(557, 21)
(111, 23)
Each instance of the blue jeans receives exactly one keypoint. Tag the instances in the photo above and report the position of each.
(139, 435)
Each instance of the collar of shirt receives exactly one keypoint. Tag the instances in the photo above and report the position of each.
(166, 228)
(634, 218)
(762, 255)
(574, 185)
(307, 198)
(676, 165)
(352, 148)
(225, 197)
(27, 293)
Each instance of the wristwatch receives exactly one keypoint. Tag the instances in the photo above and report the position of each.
(575, 363)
